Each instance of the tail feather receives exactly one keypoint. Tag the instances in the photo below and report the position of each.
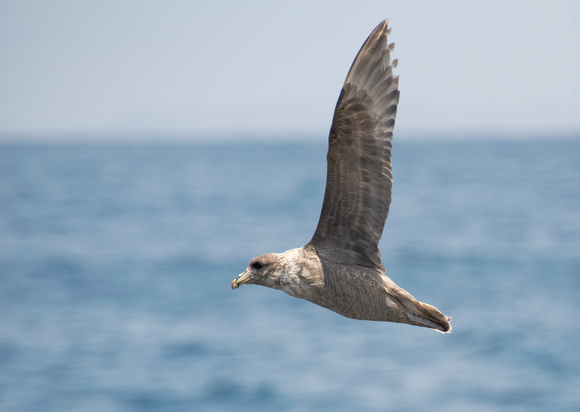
(430, 316)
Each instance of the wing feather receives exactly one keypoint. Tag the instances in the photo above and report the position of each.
(359, 174)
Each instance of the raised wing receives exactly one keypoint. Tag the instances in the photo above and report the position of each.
(359, 174)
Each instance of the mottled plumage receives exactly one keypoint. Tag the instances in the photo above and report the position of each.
(340, 268)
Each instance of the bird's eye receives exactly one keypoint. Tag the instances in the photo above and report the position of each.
(257, 265)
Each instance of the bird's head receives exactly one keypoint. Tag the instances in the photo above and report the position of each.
(262, 270)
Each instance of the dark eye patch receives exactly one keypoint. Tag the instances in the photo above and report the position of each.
(257, 265)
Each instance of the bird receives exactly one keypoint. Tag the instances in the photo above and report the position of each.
(340, 268)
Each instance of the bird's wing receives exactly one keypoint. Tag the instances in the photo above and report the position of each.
(359, 174)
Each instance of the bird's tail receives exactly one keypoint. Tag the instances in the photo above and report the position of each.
(426, 315)
(423, 314)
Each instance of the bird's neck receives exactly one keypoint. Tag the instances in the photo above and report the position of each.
(301, 274)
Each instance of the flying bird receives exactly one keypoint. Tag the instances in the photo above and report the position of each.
(340, 268)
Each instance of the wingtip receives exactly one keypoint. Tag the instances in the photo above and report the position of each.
(373, 58)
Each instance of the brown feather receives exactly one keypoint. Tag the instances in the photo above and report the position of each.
(359, 175)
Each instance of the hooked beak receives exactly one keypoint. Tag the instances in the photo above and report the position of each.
(242, 278)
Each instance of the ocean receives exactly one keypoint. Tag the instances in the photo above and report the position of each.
(116, 261)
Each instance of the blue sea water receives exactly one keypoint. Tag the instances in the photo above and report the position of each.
(116, 262)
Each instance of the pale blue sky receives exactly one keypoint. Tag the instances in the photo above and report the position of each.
(199, 68)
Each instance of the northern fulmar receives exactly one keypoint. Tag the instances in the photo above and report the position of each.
(340, 268)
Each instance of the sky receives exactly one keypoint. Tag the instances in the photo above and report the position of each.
(273, 69)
